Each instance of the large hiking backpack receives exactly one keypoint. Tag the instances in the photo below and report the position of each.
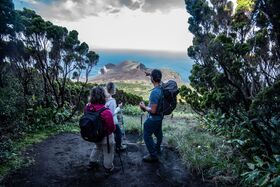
(169, 97)
(91, 126)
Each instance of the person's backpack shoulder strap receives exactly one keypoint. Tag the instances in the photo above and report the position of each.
(160, 101)
(107, 136)
(102, 110)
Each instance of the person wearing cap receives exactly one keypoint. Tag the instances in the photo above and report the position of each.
(153, 123)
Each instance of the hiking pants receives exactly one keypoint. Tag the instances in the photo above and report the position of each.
(153, 127)
(118, 136)
(102, 149)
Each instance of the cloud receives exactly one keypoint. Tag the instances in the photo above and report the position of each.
(162, 5)
(72, 10)
(134, 30)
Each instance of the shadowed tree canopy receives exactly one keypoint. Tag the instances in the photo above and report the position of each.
(7, 19)
(42, 56)
(237, 65)
(53, 51)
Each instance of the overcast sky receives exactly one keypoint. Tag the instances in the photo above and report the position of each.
(120, 24)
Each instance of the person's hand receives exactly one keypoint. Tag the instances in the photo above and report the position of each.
(147, 73)
(142, 106)
(120, 105)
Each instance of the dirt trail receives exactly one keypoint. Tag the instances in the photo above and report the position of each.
(62, 161)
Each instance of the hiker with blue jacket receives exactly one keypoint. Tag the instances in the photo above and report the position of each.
(153, 123)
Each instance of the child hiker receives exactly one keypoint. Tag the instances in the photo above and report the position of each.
(112, 105)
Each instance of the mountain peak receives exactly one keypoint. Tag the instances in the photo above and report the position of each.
(130, 71)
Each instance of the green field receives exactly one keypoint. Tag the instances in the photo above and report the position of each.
(139, 89)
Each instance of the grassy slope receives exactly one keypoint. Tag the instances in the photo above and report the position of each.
(139, 89)
(206, 154)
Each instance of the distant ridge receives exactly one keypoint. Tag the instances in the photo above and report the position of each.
(130, 71)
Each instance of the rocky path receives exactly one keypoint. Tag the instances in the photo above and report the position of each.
(62, 161)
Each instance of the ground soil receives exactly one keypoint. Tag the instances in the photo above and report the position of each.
(62, 160)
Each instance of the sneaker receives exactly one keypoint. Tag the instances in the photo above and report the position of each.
(111, 171)
(121, 148)
(149, 158)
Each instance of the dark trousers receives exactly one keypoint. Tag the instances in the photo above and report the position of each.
(153, 127)
(118, 136)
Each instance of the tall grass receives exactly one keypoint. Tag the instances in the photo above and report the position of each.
(132, 124)
(205, 154)
(208, 155)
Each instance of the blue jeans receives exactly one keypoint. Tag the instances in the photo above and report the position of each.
(153, 127)
(118, 136)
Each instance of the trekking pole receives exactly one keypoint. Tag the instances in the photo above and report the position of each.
(141, 130)
(121, 161)
(124, 135)
(141, 124)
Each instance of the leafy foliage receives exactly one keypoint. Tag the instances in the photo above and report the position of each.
(44, 71)
(132, 110)
(127, 98)
(263, 173)
(7, 18)
(235, 80)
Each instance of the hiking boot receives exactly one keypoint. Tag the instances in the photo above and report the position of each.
(121, 148)
(111, 171)
(150, 158)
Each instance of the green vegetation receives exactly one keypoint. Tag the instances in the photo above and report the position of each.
(132, 124)
(141, 89)
(127, 98)
(235, 86)
(208, 155)
(204, 153)
(183, 111)
(132, 110)
(44, 85)
(41, 65)
(236, 80)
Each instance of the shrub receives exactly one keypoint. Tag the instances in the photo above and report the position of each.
(132, 110)
(263, 172)
(132, 124)
(127, 98)
(208, 155)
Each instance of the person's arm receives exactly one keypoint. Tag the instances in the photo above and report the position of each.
(117, 110)
(111, 104)
(154, 98)
(152, 109)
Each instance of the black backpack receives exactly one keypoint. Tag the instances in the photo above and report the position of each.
(91, 126)
(168, 101)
